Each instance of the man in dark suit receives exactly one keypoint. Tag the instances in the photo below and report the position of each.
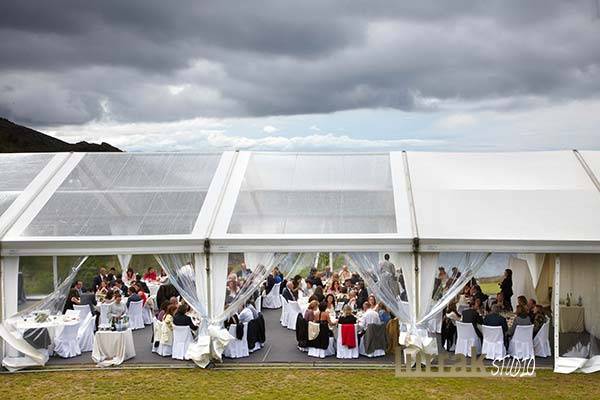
(495, 319)
(181, 319)
(471, 316)
(288, 292)
(165, 292)
(133, 296)
(99, 278)
(362, 294)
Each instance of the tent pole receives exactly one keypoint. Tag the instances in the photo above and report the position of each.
(208, 278)
(556, 308)
(415, 283)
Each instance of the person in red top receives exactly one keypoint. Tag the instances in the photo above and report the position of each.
(150, 275)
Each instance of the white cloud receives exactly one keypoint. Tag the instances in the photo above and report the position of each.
(270, 129)
(455, 121)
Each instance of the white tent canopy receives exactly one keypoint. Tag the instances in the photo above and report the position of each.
(132, 203)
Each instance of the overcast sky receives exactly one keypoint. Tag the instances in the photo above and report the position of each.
(305, 75)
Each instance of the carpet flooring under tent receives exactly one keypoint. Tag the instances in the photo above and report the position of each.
(280, 348)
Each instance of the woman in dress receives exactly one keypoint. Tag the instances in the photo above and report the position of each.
(506, 287)
(73, 298)
(129, 276)
(309, 314)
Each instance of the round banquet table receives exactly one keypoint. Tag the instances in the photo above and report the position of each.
(54, 325)
(112, 347)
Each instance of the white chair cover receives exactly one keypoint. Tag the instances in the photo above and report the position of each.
(344, 351)
(284, 310)
(182, 337)
(293, 309)
(84, 310)
(66, 344)
(136, 320)
(493, 342)
(237, 348)
(541, 342)
(272, 299)
(163, 349)
(258, 304)
(321, 353)
(85, 334)
(521, 344)
(466, 338)
(147, 315)
(73, 313)
(363, 352)
(103, 321)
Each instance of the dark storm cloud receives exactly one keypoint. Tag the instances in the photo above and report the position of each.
(73, 61)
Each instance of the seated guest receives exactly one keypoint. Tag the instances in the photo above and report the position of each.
(72, 298)
(330, 303)
(288, 293)
(163, 310)
(116, 309)
(102, 289)
(522, 300)
(372, 302)
(309, 289)
(319, 294)
(181, 319)
(167, 326)
(495, 319)
(231, 291)
(141, 284)
(79, 286)
(150, 275)
(347, 316)
(479, 307)
(369, 316)
(162, 277)
(128, 276)
(112, 274)
(273, 279)
(355, 278)
(133, 295)
(384, 313)
(471, 316)
(109, 298)
(246, 315)
(244, 272)
(99, 278)
(345, 273)
(352, 300)
(335, 287)
(309, 314)
(322, 314)
(522, 318)
(120, 287)
(531, 308)
(476, 293)
(362, 295)
(539, 319)
(165, 292)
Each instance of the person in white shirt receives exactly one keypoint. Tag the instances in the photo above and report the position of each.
(246, 315)
(370, 316)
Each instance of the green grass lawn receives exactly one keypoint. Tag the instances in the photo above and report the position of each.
(292, 384)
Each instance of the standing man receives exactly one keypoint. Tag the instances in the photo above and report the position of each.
(99, 278)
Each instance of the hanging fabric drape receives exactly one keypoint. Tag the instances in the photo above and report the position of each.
(535, 262)
(124, 260)
(522, 282)
(462, 268)
(206, 292)
(48, 311)
(387, 284)
(297, 263)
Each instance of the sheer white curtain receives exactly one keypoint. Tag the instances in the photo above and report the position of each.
(579, 341)
(124, 260)
(12, 330)
(522, 281)
(439, 287)
(535, 262)
(394, 290)
(187, 272)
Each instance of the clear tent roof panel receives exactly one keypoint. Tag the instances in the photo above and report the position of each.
(16, 173)
(517, 196)
(299, 193)
(110, 194)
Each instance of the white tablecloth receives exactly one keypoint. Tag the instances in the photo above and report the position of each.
(112, 348)
(571, 319)
(54, 324)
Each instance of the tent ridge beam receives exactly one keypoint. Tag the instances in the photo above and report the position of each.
(411, 199)
(587, 169)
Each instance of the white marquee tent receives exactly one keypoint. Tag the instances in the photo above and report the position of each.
(534, 203)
